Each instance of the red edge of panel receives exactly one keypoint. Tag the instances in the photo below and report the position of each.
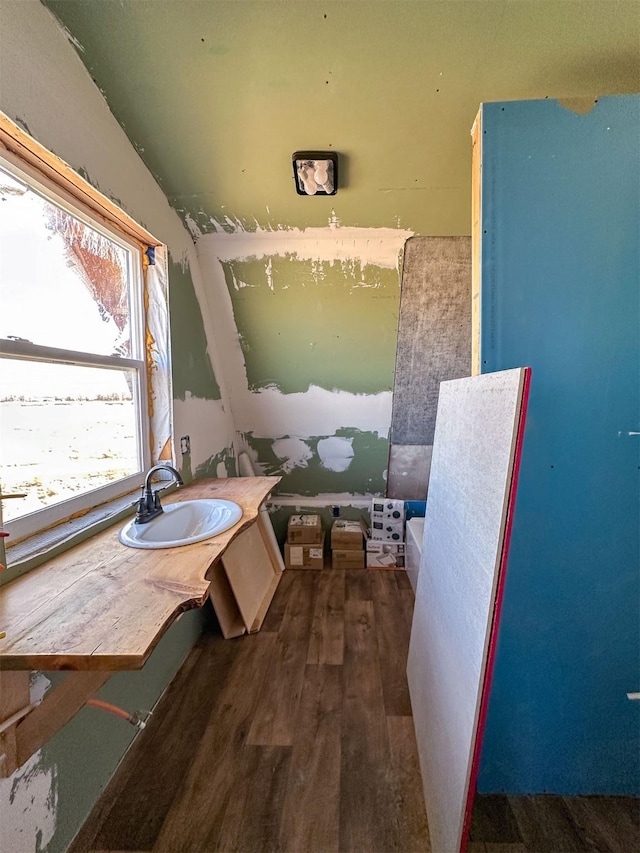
(493, 638)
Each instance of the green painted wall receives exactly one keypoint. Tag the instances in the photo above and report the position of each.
(305, 323)
(192, 370)
(217, 95)
(209, 468)
(363, 476)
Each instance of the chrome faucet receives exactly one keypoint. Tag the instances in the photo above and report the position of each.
(149, 506)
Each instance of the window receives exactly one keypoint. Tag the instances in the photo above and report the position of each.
(74, 427)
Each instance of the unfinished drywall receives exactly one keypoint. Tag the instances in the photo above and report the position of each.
(313, 322)
(308, 467)
(45, 88)
(79, 128)
(192, 371)
(307, 319)
(217, 95)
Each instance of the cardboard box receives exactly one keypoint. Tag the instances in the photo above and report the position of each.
(304, 530)
(348, 535)
(385, 555)
(304, 556)
(344, 558)
(387, 508)
(390, 531)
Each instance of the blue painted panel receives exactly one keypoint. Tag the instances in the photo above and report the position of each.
(414, 509)
(561, 293)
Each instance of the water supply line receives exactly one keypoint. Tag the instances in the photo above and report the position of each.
(137, 718)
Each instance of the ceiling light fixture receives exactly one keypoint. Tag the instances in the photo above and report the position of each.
(316, 172)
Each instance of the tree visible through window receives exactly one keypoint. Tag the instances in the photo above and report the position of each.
(73, 410)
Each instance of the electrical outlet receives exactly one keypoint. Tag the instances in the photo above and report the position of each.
(185, 445)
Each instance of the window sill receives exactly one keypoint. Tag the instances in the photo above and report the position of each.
(31, 552)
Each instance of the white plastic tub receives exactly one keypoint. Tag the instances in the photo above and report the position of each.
(414, 532)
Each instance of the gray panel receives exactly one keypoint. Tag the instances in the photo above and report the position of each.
(470, 485)
(408, 477)
(434, 332)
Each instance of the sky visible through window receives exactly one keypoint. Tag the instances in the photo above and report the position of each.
(45, 301)
(64, 429)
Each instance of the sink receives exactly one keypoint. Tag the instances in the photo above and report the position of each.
(182, 524)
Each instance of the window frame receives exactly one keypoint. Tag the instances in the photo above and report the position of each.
(121, 229)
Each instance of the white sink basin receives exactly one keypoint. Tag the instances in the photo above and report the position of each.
(182, 524)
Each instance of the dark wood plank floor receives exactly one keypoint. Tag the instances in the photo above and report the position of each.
(300, 739)
(553, 824)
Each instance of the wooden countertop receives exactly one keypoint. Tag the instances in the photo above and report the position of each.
(104, 606)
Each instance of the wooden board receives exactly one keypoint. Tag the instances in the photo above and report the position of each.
(103, 606)
(252, 574)
(471, 491)
(245, 467)
(224, 603)
(476, 240)
(55, 171)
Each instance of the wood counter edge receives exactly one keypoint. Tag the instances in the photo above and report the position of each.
(114, 662)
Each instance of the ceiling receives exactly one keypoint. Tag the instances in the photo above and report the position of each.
(217, 94)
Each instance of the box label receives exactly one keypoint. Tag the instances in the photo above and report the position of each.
(296, 555)
(304, 521)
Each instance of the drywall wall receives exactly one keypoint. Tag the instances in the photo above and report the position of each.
(307, 319)
(68, 115)
(307, 325)
(560, 274)
(217, 95)
(45, 88)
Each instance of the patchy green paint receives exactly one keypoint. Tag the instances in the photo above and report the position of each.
(393, 86)
(303, 322)
(226, 458)
(185, 468)
(192, 370)
(363, 476)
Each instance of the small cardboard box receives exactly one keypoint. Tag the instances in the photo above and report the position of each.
(304, 530)
(304, 556)
(387, 508)
(385, 555)
(345, 558)
(348, 535)
(390, 531)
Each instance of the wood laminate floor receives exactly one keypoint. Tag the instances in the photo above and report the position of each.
(300, 738)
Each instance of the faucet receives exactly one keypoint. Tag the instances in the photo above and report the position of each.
(149, 506)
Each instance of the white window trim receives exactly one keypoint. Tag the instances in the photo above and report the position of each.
(36, 522)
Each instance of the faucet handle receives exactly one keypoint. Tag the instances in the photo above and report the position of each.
(141, 508)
